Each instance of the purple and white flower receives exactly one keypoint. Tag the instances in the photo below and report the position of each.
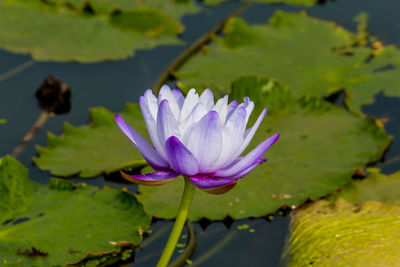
(196, 137)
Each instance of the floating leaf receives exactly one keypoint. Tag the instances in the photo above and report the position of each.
(359, 226)
(61, 33)
(382, 73)
(150, 22)
(3, 121)
(290, 2)
(319, 148)
(63, 222)
(15, 193)
(311, 56)
(376, 187)
(342, 234)
(309, 145)
(90, 150)
(172, 8)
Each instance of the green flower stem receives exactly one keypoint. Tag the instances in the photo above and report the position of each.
(173, 239)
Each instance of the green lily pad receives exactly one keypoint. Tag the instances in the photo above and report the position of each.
(61, 33)
(311, 56)
(149, 22)
(3, 121)
(342, 234)
(16, 193)
(381, 74)
(289, 2)
(320, 147)
(63, 222)
(90, 150)
(172, 8)
(308, 143)
(376, 187)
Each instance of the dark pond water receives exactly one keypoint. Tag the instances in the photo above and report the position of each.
(111, 84)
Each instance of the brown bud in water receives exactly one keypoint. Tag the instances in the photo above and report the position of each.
(54, 95)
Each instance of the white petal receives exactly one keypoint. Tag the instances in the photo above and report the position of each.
(250, 133)
(231, 108)
(232, 138)
(221, 107)
(167, 125)
(197, 113)
(207, 98)
(204, 141)
(249, 160)
(150, 122)
(151, 102)
(191, 101)
(165, 93)
(178, 97)
(249, 107)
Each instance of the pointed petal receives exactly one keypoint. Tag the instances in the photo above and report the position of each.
(232, 137)
(248, 170)
(153, 178)
(197, 113)
(180, 158)
(250, 133)
(221, 107)
(178, 97)
(231, 108)
(207, 98)
(148, 152)
(150, 101)
(151, 124)
(213, 185)
(204, 140)
(247, 161)
(165, 93)
(191, 101)
(249, 105)
(167, 125)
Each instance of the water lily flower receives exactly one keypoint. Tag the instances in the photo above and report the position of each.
(197, 138)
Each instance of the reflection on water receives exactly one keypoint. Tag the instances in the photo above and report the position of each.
(256, 242)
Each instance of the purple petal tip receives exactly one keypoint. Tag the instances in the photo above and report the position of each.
(213, 114)
(164, 103)
(276, 137)
(119, 120)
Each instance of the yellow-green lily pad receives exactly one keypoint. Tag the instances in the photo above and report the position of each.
(344, 234)
(359, 226)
